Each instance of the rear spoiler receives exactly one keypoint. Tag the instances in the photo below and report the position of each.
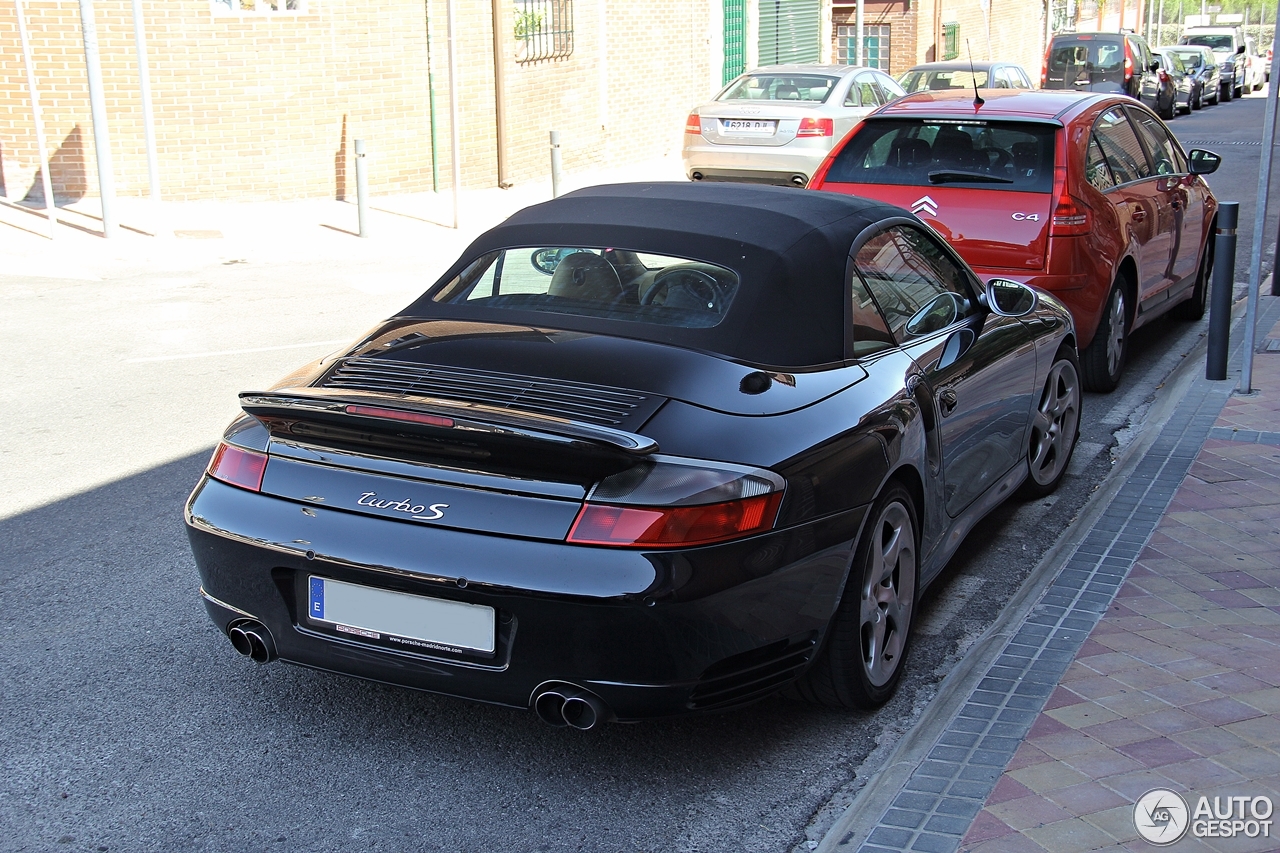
(433, 417)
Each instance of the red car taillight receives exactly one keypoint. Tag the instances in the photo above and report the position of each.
(1128, 61)
(670, 504)
(1163, 75)
(816, 127)
(1044, 68)
(238, 467)
(1070, 216)
(693, 124)
(676, 526)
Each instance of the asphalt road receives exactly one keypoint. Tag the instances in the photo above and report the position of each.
(128, 724)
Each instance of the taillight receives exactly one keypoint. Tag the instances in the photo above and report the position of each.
(816, 127)
(672, 504)
(1070, 216)
(1128, 61)
(1163, 75)
(1044, 68)
(238, 467)
(693, 124)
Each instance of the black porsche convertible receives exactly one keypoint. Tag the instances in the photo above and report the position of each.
(645, 449)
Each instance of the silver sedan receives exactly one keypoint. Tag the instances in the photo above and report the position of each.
(774, 125)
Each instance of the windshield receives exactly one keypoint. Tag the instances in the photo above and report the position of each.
(1015, 156)
(936, 81)
(1190, 58)
(1222, 43)
(616, 284)
(812, 88)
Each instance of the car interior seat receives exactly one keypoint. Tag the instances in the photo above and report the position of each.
(953, 149)
(910, 155)
(786, 93)
(587, 277)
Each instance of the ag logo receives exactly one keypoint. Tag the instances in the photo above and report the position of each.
(1027, 217)
(1161, 816)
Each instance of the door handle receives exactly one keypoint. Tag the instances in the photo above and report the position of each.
(947, 400)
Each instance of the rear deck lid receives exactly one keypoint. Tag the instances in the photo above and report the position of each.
(984, 185)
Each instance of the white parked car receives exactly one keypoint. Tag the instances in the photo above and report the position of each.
(774, 125)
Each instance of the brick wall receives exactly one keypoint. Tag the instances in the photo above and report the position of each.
(1011, 30)
(902, 19)
(267, 106)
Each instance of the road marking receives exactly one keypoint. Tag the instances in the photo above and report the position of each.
(217, 353)
(955, 597)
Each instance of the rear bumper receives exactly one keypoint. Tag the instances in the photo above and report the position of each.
(652, 634)
(756, 163)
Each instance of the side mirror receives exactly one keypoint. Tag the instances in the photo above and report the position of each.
(1203, 162)
(1155, 66)
(1240, 49)
(1010, 298)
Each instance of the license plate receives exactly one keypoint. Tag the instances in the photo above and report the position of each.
(749, 127)
(412, 621)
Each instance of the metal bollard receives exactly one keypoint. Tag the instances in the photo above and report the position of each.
(1224, 275)
(555, 164)
(362, 188)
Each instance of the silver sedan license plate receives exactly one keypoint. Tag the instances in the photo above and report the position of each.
(749, 127)
(413, 621)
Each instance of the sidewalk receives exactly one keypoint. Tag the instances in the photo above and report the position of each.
(415, 228)
(1152, 661)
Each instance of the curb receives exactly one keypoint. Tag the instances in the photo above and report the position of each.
(857, 823)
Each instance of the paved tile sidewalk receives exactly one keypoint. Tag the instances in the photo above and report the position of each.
(1178, 685)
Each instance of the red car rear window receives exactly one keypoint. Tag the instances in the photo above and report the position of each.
(1014, 156)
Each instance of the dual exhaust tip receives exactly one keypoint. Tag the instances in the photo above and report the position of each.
(253, 640)
(560, 705)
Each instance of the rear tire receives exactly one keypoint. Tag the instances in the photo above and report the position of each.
(1055, 426)
(1226, 93)
(1193, 309)
(1102, 362)
(1170, 111)
(862, 659)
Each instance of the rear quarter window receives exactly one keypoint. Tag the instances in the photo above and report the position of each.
(1014, 156)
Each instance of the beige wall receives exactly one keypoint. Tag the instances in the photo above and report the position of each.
(267, 106)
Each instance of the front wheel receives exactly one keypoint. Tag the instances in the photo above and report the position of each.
(862, 659)
(1102, 361)
(1225, 95)
(1168, 112)
(1054, 428)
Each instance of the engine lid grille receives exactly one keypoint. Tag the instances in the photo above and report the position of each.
(578, 401)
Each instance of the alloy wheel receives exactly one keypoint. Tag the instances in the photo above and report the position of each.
(888, 593)
(1115, 332)
(1053, 429)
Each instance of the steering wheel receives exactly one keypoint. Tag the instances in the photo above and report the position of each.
(683, 288)
(938, 313)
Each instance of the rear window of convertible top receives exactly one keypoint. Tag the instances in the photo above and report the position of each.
(992, 155)
(610, 283)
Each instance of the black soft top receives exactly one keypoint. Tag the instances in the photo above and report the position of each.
(789, 247)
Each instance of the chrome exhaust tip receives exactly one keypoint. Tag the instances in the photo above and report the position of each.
(253, 640)
(559, 704)
(799, 180)
(696, 176)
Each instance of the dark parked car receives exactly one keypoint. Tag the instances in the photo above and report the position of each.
(1119, 63)
(643, 450)
(940, 76)
(1201, 63)
(1185, 84)
(1087, 196)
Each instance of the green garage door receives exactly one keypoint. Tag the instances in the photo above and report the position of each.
(790, 31)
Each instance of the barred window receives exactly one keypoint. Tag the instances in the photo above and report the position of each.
(875, 46)
(950, 41)
(543, 29)
(237, 8)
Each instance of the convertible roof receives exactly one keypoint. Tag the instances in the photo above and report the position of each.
(789, 248)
